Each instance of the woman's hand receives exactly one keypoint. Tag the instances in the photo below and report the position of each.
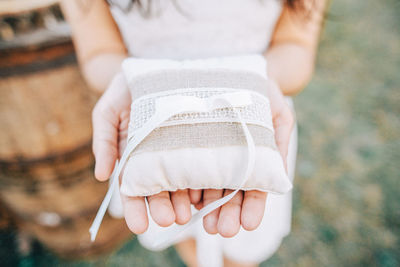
(110, 126)
(246, 208)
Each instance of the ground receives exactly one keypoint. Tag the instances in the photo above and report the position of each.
(346, 196)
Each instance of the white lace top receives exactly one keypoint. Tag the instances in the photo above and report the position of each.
(186, 29)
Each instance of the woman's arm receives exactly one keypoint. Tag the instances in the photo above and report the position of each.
(97, 40)
(292, 52)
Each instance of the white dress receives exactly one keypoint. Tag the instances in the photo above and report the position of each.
(187, 29)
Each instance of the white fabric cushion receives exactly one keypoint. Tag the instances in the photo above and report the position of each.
(182, 166)
(203, 168)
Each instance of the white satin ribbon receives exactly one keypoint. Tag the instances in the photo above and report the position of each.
(166, 107)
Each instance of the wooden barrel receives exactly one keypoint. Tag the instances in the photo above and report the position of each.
(6, 219)
(46, 163)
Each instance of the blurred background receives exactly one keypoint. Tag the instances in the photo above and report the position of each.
(347, 188)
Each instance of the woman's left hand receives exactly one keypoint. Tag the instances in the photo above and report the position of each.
(246, 208)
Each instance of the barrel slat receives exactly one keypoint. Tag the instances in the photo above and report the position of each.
(44, 111)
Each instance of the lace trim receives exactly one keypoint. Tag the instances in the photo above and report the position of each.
(257, 113)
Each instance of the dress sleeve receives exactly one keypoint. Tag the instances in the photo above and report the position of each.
(94, 30)
(300, 25)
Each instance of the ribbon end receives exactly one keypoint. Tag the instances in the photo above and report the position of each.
(93, 234)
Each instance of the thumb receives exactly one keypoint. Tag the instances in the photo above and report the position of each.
(106, 120)
(283, 124)
(282, 118)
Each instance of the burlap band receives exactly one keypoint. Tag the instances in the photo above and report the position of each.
(159, 81)
(204, 135)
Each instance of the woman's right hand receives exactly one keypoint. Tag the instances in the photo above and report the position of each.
(110, 127)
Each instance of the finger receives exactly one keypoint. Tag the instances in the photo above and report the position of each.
(161, 209)
(135, 214)
(106, 117)
(211, 220)
(105, 141)
(195, 195)
(253, 208)
(229, 216)
(181, 203)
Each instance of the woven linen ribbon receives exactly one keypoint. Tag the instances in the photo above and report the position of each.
(167, 107)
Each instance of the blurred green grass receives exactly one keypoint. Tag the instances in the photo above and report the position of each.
(347, 188)
(347, 197)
